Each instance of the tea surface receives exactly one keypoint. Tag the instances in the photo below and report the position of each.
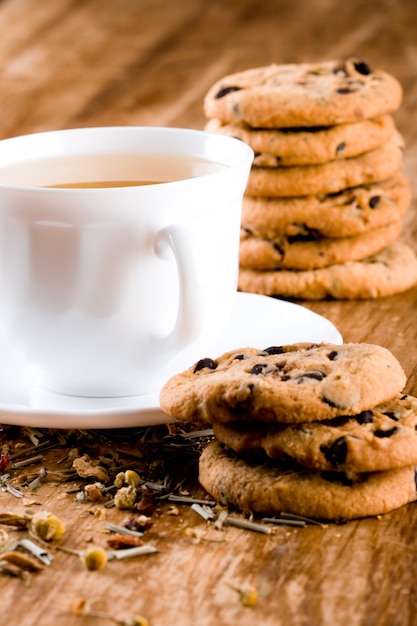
(106, 170)
(105, 184)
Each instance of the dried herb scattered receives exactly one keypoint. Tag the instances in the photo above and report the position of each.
(86, 608)
(43, 524)
(4, 459)
(122, 541)
(94, 558)
(247, 594)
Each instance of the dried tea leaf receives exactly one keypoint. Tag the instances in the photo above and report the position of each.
(22, 561)
(11, 519)
(93, 493)
(123, 541)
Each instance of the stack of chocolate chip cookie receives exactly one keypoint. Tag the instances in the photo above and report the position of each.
(323, 210)
(319, 430)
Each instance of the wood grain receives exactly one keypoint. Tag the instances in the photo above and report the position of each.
(76, 63)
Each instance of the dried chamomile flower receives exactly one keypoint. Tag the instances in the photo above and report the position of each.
(129, 477)
(125, 498)
(46, 526)
(247, 593)
(94, 558)
(132, 478)
(78, 606)
(119, 480)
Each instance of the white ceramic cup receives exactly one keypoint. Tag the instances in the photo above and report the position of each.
(100, 289)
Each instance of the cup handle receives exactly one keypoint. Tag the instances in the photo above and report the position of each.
(174, 240)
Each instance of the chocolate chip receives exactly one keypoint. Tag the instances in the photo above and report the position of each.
(415, 479)
(314, 375)
(392, 415)
(303, 129)
(332, 355)
(341, 146)
(344, 90)
(278, 249)
(340, 68)
(309, 234)
(355, 83)
(305, 233)
(374, 201)
(274, 350)
(365, 417)
(205, 363)
(336, 453)
(329, 402)
(382, 434)
(362, 67)
(334, 194)
(258, 368)
(340, 420)
(225, 90)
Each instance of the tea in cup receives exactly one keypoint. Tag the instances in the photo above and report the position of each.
(119, 249)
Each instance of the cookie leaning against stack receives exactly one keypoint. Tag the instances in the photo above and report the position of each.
(320, 430)
(325, 195)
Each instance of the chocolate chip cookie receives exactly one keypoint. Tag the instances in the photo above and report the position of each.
(284, 384)
(391, 271)
(349, 212)
(331, 177)
(271, 488)
(377, 439)
(306, 253)
(309, 145)
(306, 94)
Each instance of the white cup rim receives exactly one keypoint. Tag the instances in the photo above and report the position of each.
(223, 149)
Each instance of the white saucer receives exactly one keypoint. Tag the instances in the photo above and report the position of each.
(257, 321)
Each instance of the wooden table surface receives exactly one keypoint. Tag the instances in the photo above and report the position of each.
(77, 63)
